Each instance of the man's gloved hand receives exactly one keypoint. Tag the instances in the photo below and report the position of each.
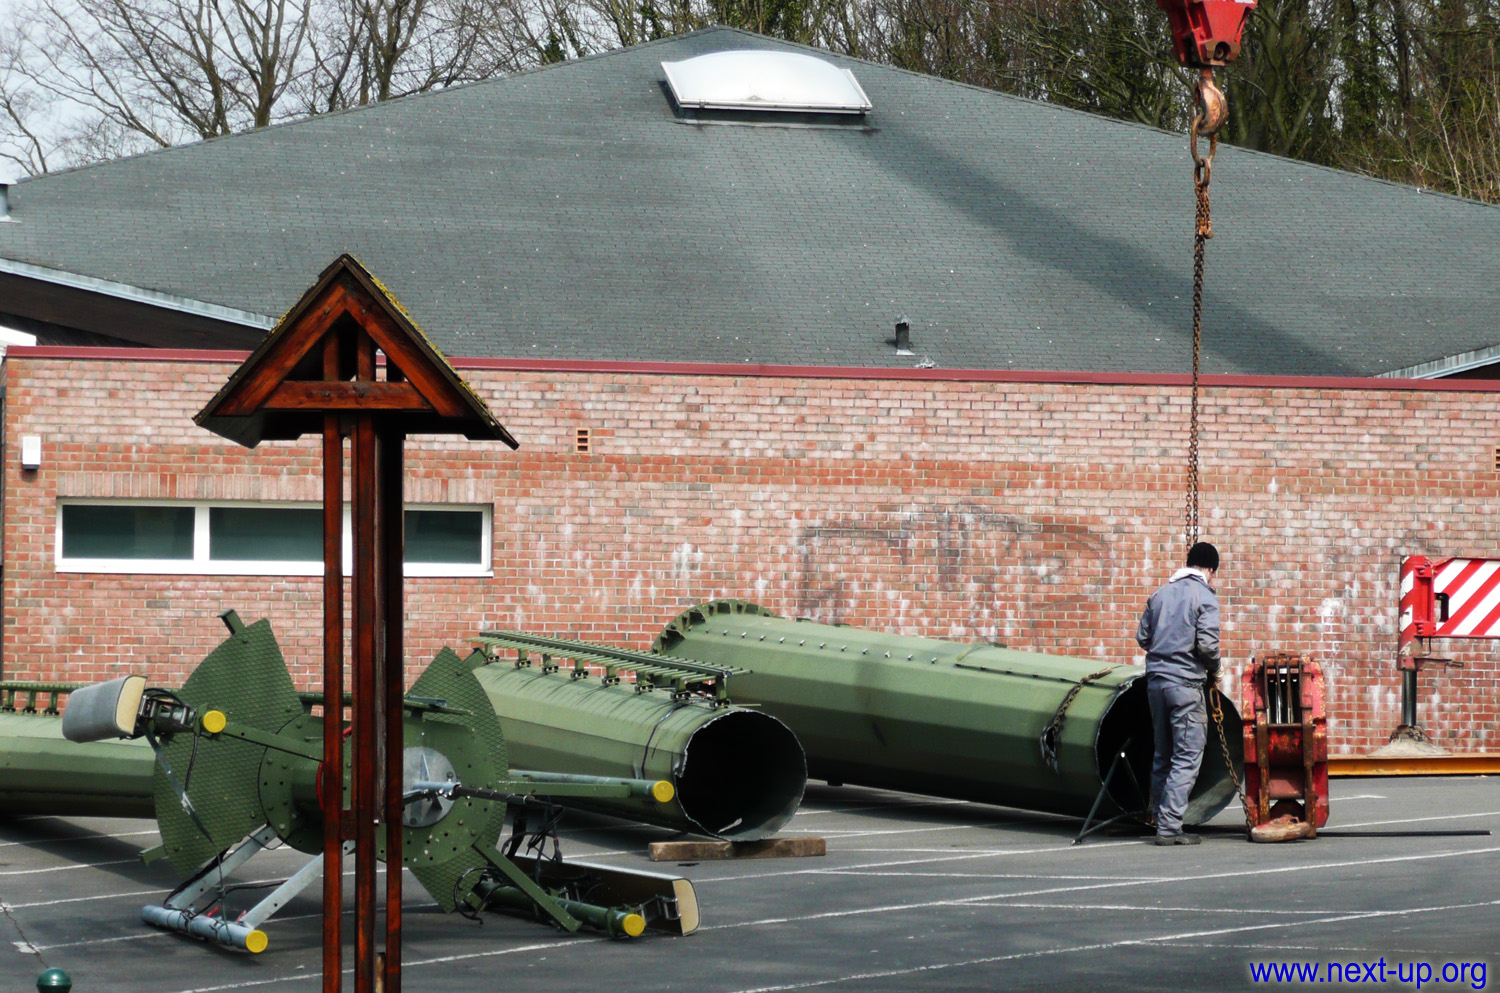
(1214, 672)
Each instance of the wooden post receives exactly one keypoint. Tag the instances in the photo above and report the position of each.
(332, 780)
(390, 517)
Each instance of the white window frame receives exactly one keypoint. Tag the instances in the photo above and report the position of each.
(202, 565)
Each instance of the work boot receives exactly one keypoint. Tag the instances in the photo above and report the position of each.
(1180, 838)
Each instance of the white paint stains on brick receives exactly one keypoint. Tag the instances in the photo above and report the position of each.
(686, 561)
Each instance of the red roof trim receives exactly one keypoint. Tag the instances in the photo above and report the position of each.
(814, 372)
(87, 353)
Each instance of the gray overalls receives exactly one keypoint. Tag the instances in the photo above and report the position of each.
(1180, 632)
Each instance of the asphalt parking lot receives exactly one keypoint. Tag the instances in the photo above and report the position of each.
(914, 894)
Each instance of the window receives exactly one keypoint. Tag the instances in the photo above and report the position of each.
(252, 539)
(445, 537)
(95, 532)
(265, 534)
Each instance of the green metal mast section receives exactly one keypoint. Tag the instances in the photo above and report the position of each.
(737, 774)
(974, 722)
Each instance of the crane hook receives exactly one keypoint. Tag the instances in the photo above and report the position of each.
(1211, 108)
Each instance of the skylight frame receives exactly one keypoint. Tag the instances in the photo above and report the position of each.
(765, 80)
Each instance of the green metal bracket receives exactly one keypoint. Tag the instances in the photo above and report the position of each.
(683, 677)
(54, 692)
(311, 698)
(430, 704)
(291, 746)
(524, 883)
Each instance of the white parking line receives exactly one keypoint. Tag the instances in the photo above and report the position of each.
(1132, 908)
(873, 833)
(818, 811)
(1048, 891)
(79, 899)
(1108, 945)
(151, 932)
(959, 857)
(68, 868)
(81, 837)
(1415, 820)
(304, 976)
(976, 875)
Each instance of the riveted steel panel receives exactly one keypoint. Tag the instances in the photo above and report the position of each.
(247, 679)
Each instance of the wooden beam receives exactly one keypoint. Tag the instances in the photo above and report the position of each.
(368, 701)
(250, 395)
(390, 615)
(708, 851)
(333, 688)
(320, 396)
(414, 366)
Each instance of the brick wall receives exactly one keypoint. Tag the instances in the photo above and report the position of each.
(1035, 514)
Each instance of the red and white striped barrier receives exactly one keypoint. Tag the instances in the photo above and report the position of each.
(1451, 598)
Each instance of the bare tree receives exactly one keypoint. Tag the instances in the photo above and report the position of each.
(126, 75)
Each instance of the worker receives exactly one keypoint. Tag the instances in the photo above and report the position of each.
(1179, 630)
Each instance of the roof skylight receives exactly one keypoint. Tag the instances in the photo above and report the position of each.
(765, 80)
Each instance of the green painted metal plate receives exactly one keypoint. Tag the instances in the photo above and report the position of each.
(247, 679)
(443, 856)
(293, 822)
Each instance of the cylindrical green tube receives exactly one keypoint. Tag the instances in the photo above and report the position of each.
(738, 774)
(615, 922)
(946, 719)
(41, 772)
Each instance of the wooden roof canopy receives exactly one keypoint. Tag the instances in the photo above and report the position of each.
(320, 358)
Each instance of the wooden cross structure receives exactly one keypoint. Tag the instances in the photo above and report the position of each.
(319, 372)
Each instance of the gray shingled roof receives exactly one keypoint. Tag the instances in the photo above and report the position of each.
(569, 213)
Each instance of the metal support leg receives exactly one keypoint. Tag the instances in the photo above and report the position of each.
(284, 894)
(207, 879)
(1409, 698)
(1089, 827)
(189, 909)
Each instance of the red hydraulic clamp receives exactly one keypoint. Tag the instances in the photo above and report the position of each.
(1286, 747)
(1206, 33)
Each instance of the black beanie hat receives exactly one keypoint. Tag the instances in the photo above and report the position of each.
(1203, 556)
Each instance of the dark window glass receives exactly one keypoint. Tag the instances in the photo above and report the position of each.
(265, 534)
(445, 537)
(127, 532)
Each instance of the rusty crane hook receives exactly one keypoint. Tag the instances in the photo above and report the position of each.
(1211, 109)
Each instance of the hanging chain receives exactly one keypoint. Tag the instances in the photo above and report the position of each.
(1215, 698)
(1209, 114)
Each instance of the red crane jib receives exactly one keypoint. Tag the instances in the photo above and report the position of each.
(1207, 33)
